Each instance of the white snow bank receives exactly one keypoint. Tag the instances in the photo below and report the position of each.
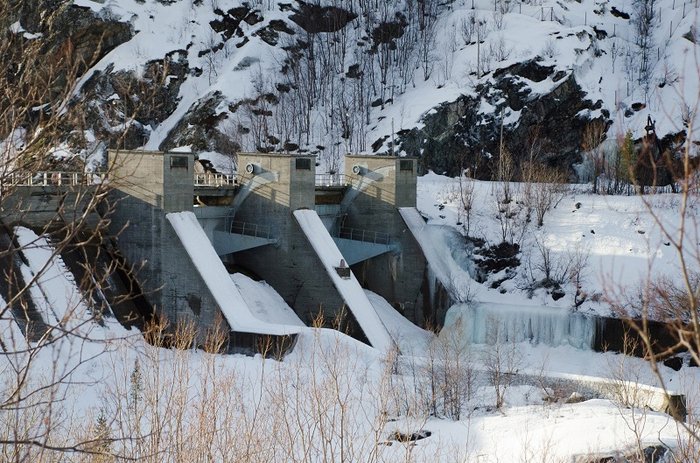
(225, 293)
(410, 338)
(438, 244)
(325, 345)
(265, 303)
(349, 289)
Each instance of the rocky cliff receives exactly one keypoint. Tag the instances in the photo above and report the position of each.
(452, 82)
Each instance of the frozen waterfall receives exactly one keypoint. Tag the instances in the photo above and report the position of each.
(491, 323)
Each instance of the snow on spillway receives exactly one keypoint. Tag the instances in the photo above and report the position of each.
(55, 291)
(491, 323)
(349, 289)
(410, 338)
(434, 241)
(417, 225)
(11, 337)
(266, 304)
(227, 296)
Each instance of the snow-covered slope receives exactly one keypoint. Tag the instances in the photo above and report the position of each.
(618, 243)
(343, 76)
(264, 302)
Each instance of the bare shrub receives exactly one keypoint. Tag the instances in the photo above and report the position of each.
(544, 189)
(466, 196)
(593, 136)
(502, 360)
(500, 49)
(550, 49)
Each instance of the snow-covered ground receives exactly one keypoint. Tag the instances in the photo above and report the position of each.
(333, 398)
(620, 240)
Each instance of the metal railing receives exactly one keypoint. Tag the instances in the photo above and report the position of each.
(329, 180)
(251, 229)
(50, 178)
(366, 236)
(214, 180)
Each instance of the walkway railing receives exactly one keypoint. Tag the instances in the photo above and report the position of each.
(50, 178)
(329, 180)
(251, 229)
(214, 180)
(57, 178)
(367, 236)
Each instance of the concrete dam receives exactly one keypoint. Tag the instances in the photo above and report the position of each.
(177, 233)
(318, 240)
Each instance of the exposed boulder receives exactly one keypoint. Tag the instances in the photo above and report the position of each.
(228, 22)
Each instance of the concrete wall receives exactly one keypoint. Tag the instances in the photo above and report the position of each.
(372, 203)
(163, 180)
(291, 267)
(37, 206)
(147, 186)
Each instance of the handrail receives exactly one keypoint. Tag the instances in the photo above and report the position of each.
(366, 236)
(64, 178)
(215, 179)
(330, 180)
(52, 178)
(251, 229)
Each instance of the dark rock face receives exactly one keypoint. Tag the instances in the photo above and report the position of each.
(457, 135)
(315, 18)
(270, 34)
(72, 39)
(530, 70)
(112, 98)
(198, 128)
(229, 22)
(388, 32)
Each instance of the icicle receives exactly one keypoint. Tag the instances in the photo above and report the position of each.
(491, 323)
